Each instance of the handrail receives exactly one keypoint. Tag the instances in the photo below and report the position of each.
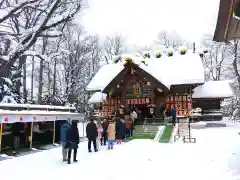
(159, 133)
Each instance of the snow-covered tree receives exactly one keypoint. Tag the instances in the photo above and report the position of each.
(22, 24)
(112, 46)
(218, 60)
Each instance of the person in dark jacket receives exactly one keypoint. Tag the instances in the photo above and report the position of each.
(104, 133)
(16, 132)
(92, 134)
(72, 142)
(173, 113)
(120, 130)
(63, 138)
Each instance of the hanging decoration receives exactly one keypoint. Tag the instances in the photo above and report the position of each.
(182, 102)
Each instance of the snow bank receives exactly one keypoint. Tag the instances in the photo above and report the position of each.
(97, 97)
(213, 89)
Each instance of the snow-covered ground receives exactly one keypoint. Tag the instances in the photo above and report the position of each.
(216, 155)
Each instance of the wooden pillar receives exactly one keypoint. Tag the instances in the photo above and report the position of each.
(31, 135)
(54, 131)
(1, 132)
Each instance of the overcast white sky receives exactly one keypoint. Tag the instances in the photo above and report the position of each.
(139, 21)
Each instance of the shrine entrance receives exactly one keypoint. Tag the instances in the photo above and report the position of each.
(141, 110)
(134, 89)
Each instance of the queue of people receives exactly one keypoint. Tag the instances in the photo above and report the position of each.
(99, 133)
(108, 132)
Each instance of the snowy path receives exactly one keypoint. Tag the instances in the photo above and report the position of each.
(216, 155)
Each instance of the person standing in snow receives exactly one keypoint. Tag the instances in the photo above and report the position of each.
(173, 113)
(100, 131)
(92, 134)
(104, 133)
(133, 116)
(120, 130)
(111, 134)
(72, 142)
(63, 138)
(128, 124)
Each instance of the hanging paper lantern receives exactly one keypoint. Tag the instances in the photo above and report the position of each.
(147, 100)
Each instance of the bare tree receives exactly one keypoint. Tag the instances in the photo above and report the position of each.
(112, 46)
(218, 61)
(171, 39)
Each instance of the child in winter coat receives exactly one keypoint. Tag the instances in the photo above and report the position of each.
(100, 131)
(111, 134)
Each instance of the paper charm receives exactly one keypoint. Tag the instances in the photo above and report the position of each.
(21, 118)
(34, 118)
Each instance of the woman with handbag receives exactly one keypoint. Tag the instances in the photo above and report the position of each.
(72, 142)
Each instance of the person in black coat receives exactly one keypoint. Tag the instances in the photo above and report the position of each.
(120, 130)
(72, 142)
(92, 134)
(104, 133)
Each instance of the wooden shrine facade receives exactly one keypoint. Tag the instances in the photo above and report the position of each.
(133, 87)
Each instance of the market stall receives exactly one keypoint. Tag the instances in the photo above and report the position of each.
(27, 127)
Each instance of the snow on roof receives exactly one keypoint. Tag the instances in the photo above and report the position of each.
(97, 97)
(36, 106)
(104, 76)
(175, 70)
(213, 89)
(178, 69)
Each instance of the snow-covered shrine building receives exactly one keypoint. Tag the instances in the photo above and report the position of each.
(155, 82)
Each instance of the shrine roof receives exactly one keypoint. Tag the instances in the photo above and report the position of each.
(97, 97)
(174, 70)
(213, 89)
